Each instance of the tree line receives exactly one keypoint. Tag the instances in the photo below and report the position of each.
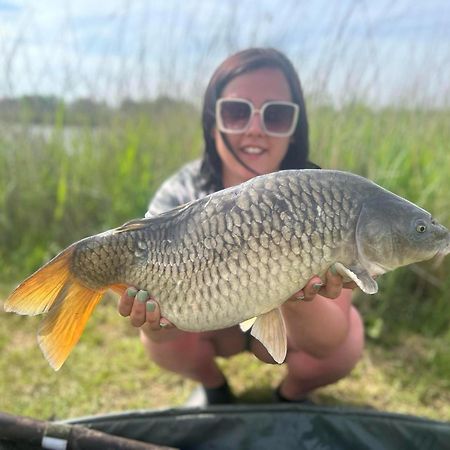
(49, 109)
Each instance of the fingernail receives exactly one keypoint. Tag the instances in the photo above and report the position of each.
(300, 296)
(163, 324)
(131, 292)
(333, 270)
(142, 296)
(150, 306)
(316, 286)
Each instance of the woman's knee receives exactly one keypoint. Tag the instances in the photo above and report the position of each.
(345, 358)
(173, 354)
(354, 344)
(339, 363)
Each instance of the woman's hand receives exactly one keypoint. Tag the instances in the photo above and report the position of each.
(330, 288)
(142, 309)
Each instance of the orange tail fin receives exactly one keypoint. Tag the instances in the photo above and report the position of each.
(55, 290)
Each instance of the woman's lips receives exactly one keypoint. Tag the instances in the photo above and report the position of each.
(250, 150)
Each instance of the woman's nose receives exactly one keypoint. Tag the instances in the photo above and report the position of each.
(255, 126)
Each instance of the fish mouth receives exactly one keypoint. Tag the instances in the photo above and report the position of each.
(443, 252)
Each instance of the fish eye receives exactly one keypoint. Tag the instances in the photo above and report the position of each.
(421, 226)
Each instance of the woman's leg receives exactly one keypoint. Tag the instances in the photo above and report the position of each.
(192, 355)
(306, 373)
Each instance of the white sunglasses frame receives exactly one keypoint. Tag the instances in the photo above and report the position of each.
(253, 111)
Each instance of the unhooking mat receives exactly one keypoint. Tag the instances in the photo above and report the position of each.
(278, 426)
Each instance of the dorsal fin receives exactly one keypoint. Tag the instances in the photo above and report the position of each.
(139, 224)
(132, 225)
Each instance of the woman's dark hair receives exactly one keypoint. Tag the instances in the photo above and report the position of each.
(235, 65)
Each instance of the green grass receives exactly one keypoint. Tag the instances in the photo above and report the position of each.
(77, 182)
(109, 371)
(58, 189)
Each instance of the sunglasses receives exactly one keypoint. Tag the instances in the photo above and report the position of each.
(279, 118)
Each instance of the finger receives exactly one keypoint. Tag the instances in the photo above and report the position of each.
(350, 285)
(312, 288)
(126, 301)
(333, 284)
(298, 296)
(153, 316)
(137, 315)
(165, 324)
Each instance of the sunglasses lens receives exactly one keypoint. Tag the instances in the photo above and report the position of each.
(279, 118)
(235, 115)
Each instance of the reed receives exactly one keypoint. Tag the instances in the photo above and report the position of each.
(59, 186)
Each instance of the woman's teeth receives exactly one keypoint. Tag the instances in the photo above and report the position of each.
(253, 150)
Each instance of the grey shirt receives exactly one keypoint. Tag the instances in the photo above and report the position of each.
(178, 189)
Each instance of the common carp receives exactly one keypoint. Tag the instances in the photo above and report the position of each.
(234, 256)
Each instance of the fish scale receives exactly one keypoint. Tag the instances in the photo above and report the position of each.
(234, 255)
(266, 255)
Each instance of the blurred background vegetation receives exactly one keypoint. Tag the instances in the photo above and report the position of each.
(88, 156)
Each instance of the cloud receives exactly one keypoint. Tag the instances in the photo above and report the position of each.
(112, 49)
(8, 7)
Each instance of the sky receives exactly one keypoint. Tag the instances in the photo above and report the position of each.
(381, 52)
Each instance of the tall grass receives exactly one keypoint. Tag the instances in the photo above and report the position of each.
(405, 151)
(60, 187)
(71, 183)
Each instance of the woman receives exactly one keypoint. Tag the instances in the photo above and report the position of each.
(254, 122)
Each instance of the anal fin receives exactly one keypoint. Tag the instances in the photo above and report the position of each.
(118, 288)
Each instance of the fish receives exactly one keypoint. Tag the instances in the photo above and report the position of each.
(234, 256)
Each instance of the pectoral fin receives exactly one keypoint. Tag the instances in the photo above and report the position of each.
(270, 330)
(360, 276)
